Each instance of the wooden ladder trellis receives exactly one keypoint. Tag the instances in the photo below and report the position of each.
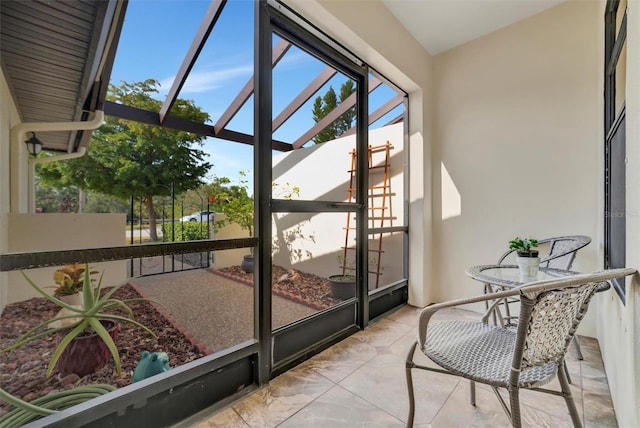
(379, 207)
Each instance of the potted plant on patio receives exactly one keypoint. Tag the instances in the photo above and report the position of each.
(343, 286)
(85, 333)
(526, 257)
(69, 280)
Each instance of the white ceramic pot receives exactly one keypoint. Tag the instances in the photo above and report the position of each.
(72, 299)
(528, 266)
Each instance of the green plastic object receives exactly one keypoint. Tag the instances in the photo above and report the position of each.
(151, 364)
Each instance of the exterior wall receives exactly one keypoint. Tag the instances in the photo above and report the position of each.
(312, 242)
(518, 141)
(51, 232)
(369, 29)
(228, 258)
(618, 329)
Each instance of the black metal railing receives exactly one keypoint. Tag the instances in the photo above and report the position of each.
(176, 222)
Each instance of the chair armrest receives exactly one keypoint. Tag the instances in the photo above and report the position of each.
(529, 290)
(429, 311)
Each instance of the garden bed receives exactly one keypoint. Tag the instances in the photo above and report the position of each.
(23, 371)
(301, 287)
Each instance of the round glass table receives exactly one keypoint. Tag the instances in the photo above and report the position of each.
(508, 276)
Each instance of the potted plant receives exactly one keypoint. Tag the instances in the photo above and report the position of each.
(343, 286)
(69, 280)
(526, 257)
(85, 333)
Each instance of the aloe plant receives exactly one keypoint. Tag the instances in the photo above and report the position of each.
(81, 319)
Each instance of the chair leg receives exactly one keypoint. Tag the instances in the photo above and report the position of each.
(472, 393)
(576, 345)
(568, 398)
(514, 400)
(409, 365)
(566, 370)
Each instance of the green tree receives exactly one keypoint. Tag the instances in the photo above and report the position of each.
(322, 106)
(53, 200)
(130, 158)
(101, 203)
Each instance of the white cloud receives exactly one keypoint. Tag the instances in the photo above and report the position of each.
(202, 81)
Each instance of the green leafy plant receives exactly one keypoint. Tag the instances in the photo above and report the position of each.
(237, 206)
(524, 246)
(70, 279)
(81, 320)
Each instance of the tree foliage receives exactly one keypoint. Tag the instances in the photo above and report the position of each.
(325, 104)
(127, 158)
(236, 204)
(53, 200)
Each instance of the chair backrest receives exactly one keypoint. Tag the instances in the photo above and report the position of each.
(550, 312)
(562, 251)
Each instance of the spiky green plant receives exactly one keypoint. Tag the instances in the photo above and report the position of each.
(86, 318)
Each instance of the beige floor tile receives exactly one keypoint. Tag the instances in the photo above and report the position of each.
(382, 382)
(458, 412)
(285, 395)
(340, 408)
(383, 333)
(226, 418)
(342, 359)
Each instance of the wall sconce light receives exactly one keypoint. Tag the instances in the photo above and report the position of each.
(34, 146)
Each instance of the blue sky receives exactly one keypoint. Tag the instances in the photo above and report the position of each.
(158, 33)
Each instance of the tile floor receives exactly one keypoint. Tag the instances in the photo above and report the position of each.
(360, 382)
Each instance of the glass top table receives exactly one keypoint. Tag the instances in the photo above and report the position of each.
(508, 276)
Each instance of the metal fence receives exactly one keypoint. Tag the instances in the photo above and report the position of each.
(173, 223)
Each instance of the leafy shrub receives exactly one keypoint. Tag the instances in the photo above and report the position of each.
(185, 231)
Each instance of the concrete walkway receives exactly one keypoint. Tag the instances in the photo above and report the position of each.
(215, 310)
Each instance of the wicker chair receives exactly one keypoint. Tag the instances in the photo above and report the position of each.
(529, 357)
(562, 253)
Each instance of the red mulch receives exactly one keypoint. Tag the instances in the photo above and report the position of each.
(301, 287)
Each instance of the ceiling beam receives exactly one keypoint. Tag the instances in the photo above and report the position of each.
(381, 111)
(208, 22)
(278, 52)
(303, 97)
(333, 115)
(151, 118)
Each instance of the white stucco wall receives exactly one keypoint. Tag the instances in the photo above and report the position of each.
(312, 242)
(53, 232)
(518, 143)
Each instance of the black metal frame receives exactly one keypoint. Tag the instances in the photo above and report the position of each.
(285, 347)
(613, 43)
